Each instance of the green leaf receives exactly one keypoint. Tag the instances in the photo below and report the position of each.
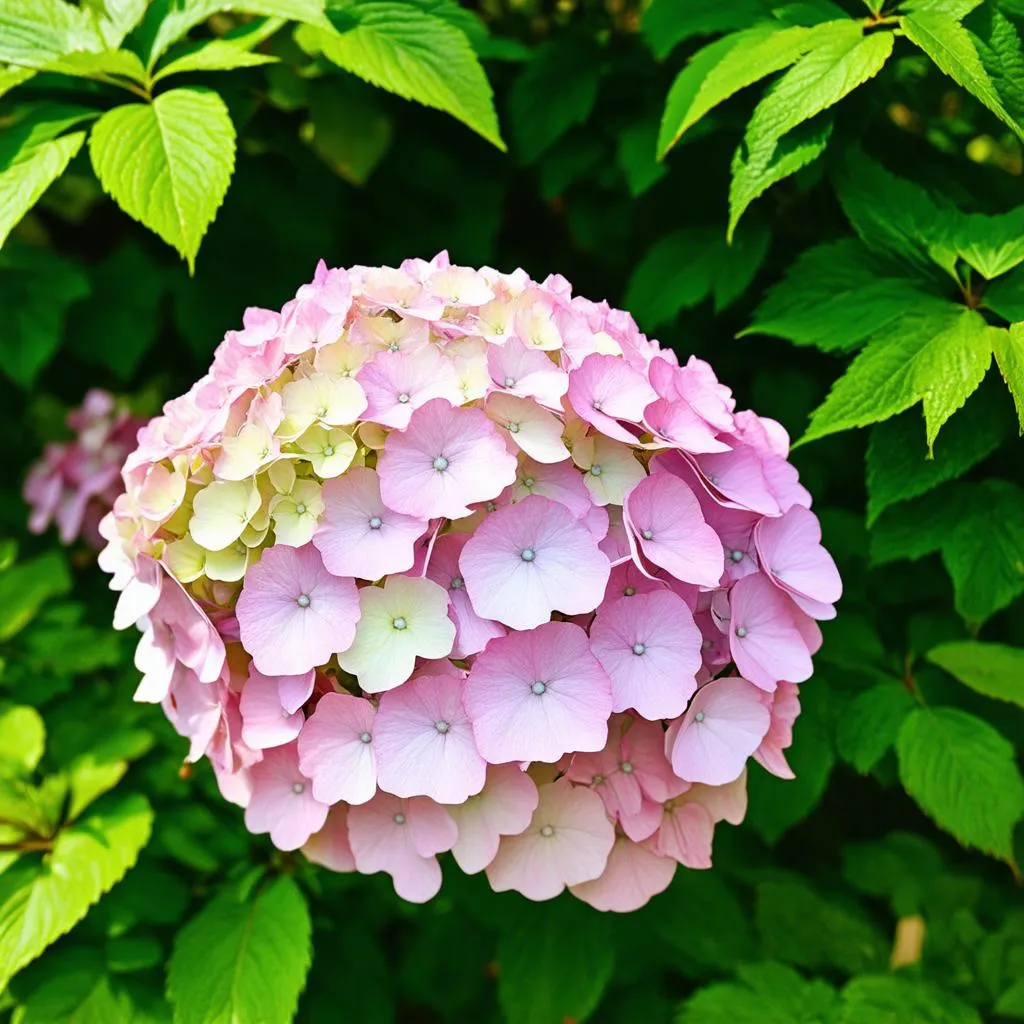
(897, 464)
(897, 999)
(117, 18)
(666, 23)
(870, 723)
(1008, 347)
(22, 740)
(776, 805)
(554, 961)
(636, 157)
(126, 318)
(753, 173)
(938, 357)
(726, 66)
(963, 774)
(11, 78)
(951, 48)
(766, 993)
(168, 164)
(836, 296)
(106, 66)
(808, 930)
(243, 958)
(922, 526)
(72, 986)
(25, 587)
(999, 46)
(42, 898)
(415, 55)
(348, 128)
(99, 769)
(991, 245)
(994, 670)
(212, 55)
(902, 868)
(556, 90)
(35, 32)
(167, 21)
(32, 157)
(984, 555)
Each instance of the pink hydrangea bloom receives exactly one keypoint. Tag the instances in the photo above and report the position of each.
(444, 559)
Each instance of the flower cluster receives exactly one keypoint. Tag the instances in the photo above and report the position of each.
(76, 483)
(442, 559)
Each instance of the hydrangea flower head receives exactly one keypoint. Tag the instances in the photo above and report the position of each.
(442, 559)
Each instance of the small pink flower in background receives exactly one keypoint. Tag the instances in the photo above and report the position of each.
(443, 559)
(76, 483)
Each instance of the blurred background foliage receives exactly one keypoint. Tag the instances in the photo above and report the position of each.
(882, 884)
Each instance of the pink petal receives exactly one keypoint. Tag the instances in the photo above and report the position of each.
(265, 723)
(528, 560)
(739, 477)
(527, 373)
(686, 835)
(723, 726)
(294, 691)
(330, 847)
(561, 482)
(398, 383)
(281, 801)
(358, 534)
(606, 389)
(634, 873)
(336, 749)
(293, 615)
(534, 696)
(665, 518)
(791, 554)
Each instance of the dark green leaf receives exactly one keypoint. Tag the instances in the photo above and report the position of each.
(992, 669)
(896, 999)
(870, 724)
(666, 23)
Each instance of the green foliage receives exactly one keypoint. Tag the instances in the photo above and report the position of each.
(244, 957)
(822, 199)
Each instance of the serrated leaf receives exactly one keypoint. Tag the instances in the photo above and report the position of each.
(870, 724)
(962, 773)
(554, 961)
(167, 21)
(951, 48)
(898, 467)
(22, 740)
(896, 999)
(937, 357)
(116, 18)
(212, 55)
(753, 173)
(803, 928)
(991, 245)
(110, 64)
(415, 55)
(556, 90)
(35, 32)
(168, 163)
(999, 46)
(922, 526)
(1008, 347)
(348, 129)
(994, 670)
(836, 296)
(41, 899)
(984, 555)
(243, 958)
(726, 66)
(666, 23)
(765, 993)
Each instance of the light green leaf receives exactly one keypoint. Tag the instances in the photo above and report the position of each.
(963, 774)
(212, 55)
(32, 157)
(98, 770)
(12, 77)
(994, 670)
(666, 23)
(898, 467)
(167, 21)
(116, 18)
(897, 999)
(25, 587)
(754, 173)
(938, 358)
(1009, 351)
(950, 46)
(801, 927)
(870, 723)
(991, 245)
(554, 961)
(22, 740)
(765, 993)
(984, 554)
(168, 164)
(398, 47)
(835, 296)
(243, 958)
(35, 32)
(998, 44)
(41, 899)
(728, 65)
(347, 127)
(106, 66)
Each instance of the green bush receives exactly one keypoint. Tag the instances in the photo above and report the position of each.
(820, 197)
